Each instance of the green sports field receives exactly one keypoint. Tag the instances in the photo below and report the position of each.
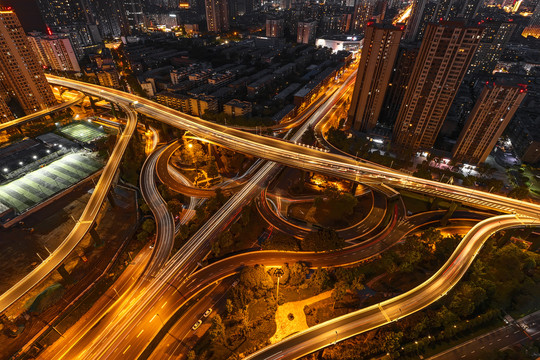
(37, 186)
(83, 132)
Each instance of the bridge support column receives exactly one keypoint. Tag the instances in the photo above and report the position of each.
(434, 204)
(92, 103)
(111, 198)
(95, 236)
(64, 273)
(113, 109)
(449, 213)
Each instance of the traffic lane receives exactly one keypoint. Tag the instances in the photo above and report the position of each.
(120, 287)
(500, 338)
(163, 170)
(191, 251)
(82, 226)
(377, 210)
(165, 227)
(228, 266)
(393, 309)
(53, 109)
(181, 337)
(121, 336)
(220, 134)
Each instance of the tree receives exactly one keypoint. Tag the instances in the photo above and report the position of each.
(229, 307)
(467, 299)
(323, 240)
(244, 321)
(519, 192)
(174, 206)
(217, 330)
(320, 279)
(149, 226)
(340, 289)
(212, 169)
(191, 355)
(299, 271)
(309, 136)
(255, 277)
(142, 236)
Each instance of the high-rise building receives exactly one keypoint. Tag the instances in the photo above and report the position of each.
(381, 44)
(494, 38)
(58, 13)
(422, 13)
(274, 27)
(135, 15)
(491, 114)
(335, 24)
(240, 8)
(5, 112)
(217, 15)
(445, 54)
(469, 9)
(54, 51)
(363, 11)
(401, 74)
(415, 19)
(533, 28)
(306, 32)
(22, 74)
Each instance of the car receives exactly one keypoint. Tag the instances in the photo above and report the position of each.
(196, 326)
(207, 312)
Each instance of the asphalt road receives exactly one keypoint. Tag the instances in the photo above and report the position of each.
(507, 336)
(303, 157)
(167, 174)
(83, 225)
(225, 268)
(377, 315)
(165, 227)
(335, 165)
(128, 334)
(36, 115)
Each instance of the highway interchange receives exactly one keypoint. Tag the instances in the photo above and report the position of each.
(126, 335)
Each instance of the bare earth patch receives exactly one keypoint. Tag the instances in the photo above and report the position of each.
(290, 317)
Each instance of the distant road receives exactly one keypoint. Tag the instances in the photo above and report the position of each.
(36, 115)
(304, 157)
(506, 336)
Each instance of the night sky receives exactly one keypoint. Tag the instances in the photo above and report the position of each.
(28, 14)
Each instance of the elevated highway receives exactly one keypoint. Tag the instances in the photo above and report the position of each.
(288, 153)
(84, 223)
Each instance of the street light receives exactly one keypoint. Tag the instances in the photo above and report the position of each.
(279, 273)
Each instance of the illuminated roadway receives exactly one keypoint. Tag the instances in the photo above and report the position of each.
(129, 333)
(36, 115)
(232, 265)
(165, 228)
(303, 157)
(380, 314)
(83, 225)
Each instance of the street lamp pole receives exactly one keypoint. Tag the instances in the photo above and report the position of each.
(279, 273)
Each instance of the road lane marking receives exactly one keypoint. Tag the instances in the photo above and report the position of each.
(140, 333)
(126, 350)
(384, 312)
